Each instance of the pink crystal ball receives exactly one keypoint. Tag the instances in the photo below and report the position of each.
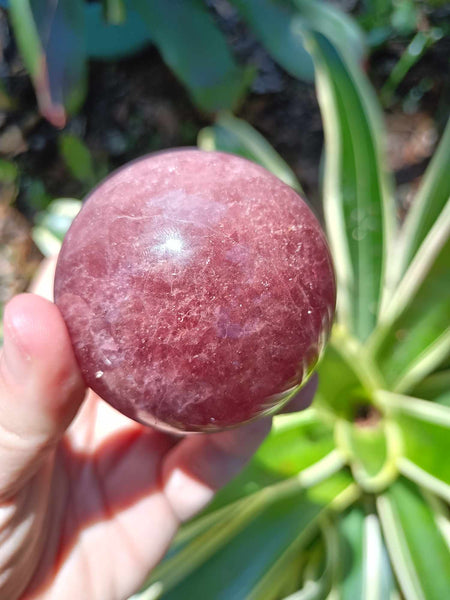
(198, 290)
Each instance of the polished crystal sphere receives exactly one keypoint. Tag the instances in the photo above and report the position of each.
(198, 290)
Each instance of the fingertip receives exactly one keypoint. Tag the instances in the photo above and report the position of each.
(39, 356)
(40, 388)
(36, 324)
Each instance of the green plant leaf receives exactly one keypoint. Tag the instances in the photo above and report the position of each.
(425, 431)
(411, 55)
(346, 377)
(106, 41)
(230, 559)
(196, 51)
(7, 103)
(277, 25)
(405, 16)
(272, 23)
(430, 201)
(372, 451)
(306, 575)
(9, 172)
(78, 158)
(413, 336)
(297, 442)
(418, 551)
(342, 31)
(53, 224)
(434, 387)
(230, 134)
(365, 572)
(51, 39)
(300, 445)
(358, 205)
(114, 11)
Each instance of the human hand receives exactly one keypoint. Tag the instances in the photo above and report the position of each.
(90, 500)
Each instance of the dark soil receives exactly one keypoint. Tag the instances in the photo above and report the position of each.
(136, 106)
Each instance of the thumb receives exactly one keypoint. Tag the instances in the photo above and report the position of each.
(40, 388)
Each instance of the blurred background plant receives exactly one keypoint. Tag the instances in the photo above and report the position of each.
(348, 499)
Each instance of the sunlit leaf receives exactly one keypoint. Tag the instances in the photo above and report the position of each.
(300, 444)
(279, 526)
(418, 551)
(413, 337)
(434, 387)
(346, 376)
(425, 432)
(365, 571)
(296, 442)
(230, 134)
(194, 48)
(358, 205)
(431, 199)
(335, 25)
(304, 575)
(51, 38)
(372, 450)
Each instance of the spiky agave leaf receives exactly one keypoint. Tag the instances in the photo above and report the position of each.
(348, 499)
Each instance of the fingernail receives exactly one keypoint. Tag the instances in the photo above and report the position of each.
(17, 360)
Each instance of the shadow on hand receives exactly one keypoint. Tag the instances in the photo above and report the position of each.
(89, 488)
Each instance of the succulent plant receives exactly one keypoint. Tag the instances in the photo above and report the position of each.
(349, 498)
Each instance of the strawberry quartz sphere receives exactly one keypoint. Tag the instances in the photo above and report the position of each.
(198, 290)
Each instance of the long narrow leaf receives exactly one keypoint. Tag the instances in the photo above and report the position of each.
(413, 337)
(429, 412)
(419, 554)
(299, 448)
(105, 41)
(51, 38)
(365, 570)
(294, 447)
(230, 134)
(434, 387)
(358, 205)
(195, 50)
(433, 195)
(281, 526)
(308, 575)
(371, 451)
(345, 379)
(273, 24)
(277, 23)
(335, 25)
(425, 432)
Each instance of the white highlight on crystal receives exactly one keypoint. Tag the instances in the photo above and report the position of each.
(173, 244)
